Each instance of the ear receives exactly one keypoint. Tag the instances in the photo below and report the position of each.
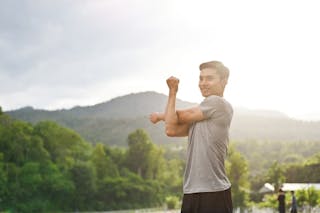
(224, 81)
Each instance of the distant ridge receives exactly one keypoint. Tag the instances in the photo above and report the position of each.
(128, 106)
(110, 122)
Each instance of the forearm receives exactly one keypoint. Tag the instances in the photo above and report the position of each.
(155, 117)
(170, 114)
(161, 116)
(172, 125)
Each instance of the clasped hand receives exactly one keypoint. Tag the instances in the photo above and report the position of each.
(173, 83)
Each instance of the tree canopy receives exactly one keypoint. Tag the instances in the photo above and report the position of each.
(45, 167)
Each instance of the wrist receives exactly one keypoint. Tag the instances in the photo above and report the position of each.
(173, 91)
(157, 116)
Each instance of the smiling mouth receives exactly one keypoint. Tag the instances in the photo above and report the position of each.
(204, 90)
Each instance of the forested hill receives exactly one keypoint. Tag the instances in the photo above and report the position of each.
(110, 122)
(129, 106)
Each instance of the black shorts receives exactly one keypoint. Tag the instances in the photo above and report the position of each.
(207, 202)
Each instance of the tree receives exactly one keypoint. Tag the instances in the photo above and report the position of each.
(237, 170)
(117, 155)
(57, 187)
(140, 153)
(130, 191)
(83, 178)
(102, 163)
(20, 143)
(276, 175)
(64, 145)
(308, 197)
(15, 139)
(30, 198)
(49, 168)
(156, 163)
(3, 181)
(171, 177)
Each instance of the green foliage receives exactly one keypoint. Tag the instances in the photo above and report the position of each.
(172, 202)
(237, 170)
(17, 140)
(82, 175)
(102, 163)
(49, 168)
(130, 191)
(308, 197)
(269, 201)
(45, 167)
(64, 145)
(3, 179)
(276, 175)
(143, 157)
(262, 154)
(58, 187)
(306, 172)
(171, 177)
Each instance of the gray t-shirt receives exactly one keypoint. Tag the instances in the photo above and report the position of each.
(207, 148)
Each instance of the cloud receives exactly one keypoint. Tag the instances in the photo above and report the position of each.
(60, 53)
(51, 50)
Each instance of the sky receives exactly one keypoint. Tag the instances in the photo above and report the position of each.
(66, 53)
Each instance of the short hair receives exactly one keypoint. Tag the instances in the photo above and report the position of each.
(222, 70)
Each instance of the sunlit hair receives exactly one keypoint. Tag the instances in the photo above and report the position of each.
(222, 70)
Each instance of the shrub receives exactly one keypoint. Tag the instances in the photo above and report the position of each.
(172, 202)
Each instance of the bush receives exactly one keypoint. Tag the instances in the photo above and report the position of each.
(172, 202)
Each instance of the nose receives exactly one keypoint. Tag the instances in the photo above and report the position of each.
(202, 82)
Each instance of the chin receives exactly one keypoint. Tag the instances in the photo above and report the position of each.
(207, 95)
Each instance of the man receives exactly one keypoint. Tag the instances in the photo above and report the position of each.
(281, 201)
(294, 208)
(206, 187)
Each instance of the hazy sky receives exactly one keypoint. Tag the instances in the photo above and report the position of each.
(58, 54)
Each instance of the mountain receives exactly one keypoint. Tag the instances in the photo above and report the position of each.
(111, 122)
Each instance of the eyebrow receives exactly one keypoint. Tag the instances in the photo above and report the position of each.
(206, 76)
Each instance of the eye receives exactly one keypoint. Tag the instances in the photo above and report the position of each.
(210, 78)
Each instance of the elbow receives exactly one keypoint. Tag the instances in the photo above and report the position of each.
(183, 118)
(170, 132)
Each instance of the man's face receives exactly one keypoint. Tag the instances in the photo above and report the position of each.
(210, 83)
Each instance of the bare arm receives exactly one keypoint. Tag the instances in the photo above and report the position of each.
(169, 116)
(178, 122)
(184, 116)
(190, 115)
(155, 117)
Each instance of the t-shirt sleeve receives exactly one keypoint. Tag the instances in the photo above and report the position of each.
(209, 106)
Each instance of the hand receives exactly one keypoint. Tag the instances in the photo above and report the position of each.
(173, 83)
(154, 118)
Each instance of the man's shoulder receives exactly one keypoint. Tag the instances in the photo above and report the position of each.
(217, 101)
(216, 98)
